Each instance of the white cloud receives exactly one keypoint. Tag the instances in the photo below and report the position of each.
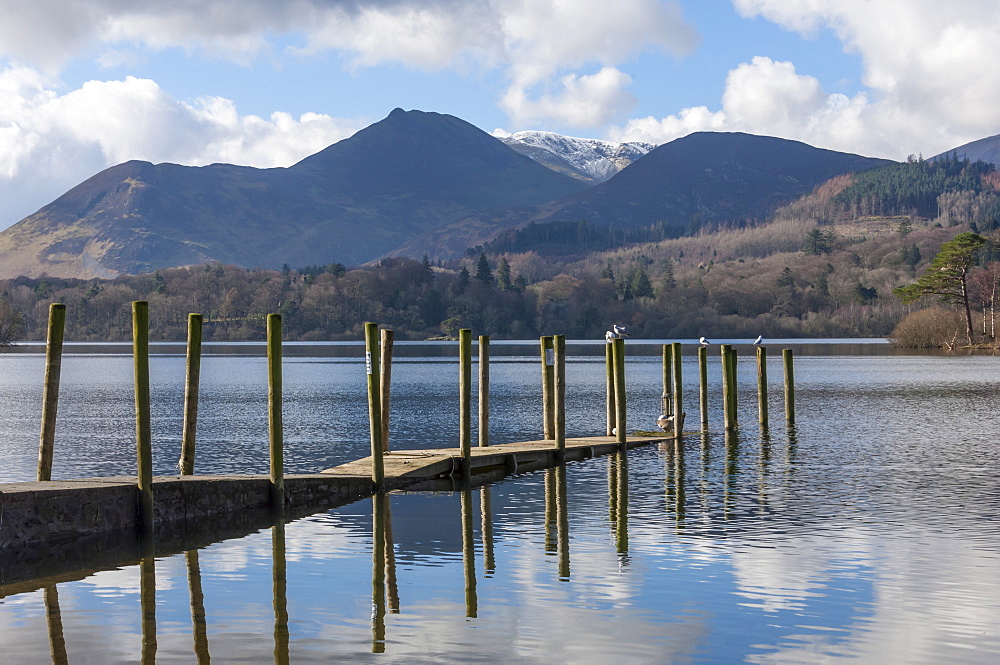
(580, 101)
(50, 142)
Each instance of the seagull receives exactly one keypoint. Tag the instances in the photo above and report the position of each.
(665, 422)
(610, 336)
(620, 331)
(759, 340)
(703, 341)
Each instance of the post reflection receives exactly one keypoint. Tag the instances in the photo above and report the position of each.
(731, 470)
(392, 587)
(562, 521)
(379, 502)
(486, 527)
(198, 623)
(280, 590)
(675, 471)
(53, 618)
(469, 554)
(619, 502)
(550, 511)
(147, 601)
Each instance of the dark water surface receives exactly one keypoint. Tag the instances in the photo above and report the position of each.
(867, 533)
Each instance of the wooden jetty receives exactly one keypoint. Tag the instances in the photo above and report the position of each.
(419, 465)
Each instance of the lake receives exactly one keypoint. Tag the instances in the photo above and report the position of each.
(866, 532)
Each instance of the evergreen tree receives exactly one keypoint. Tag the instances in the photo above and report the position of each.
(483, 272)
(641, 286)
(503, 274)
(947, 276)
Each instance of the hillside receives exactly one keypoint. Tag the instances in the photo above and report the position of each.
(986, 150)
(358, 199)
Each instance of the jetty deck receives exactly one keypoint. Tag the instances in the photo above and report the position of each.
(419, 465)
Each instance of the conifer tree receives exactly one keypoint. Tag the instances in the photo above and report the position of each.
(947, 276)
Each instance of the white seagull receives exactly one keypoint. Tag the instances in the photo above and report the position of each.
(703, 341)
(610, 337)
(665, 422)
(759, 340)
(620, 331)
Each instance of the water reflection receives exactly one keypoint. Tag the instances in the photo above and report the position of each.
(198, 620)
(147, 600)
(379, 504)
(53, 618)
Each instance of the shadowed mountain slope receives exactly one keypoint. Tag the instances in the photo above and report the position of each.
(352, 202)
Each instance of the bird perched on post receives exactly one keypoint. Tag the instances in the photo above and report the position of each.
(620, 331)
(610, 337)
(703, 341)
(759, 340)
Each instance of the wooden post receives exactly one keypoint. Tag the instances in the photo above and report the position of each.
(465, 395)
(484, 391)
(703, 385)
(548, 379)
(609, 368)
(762, 385)
(666, 398)
(559, 353)
(620, 406)
(734, 390)
(786, 358)
(275, 428)
(143, 432)
(727, 403)
(374, 402)
(192, 379)
(50, 392)
(678, 390)
(386, 381)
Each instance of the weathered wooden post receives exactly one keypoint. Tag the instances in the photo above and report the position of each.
(678, 390)
(703, 385)
(559, 353)
(666, 398)
(727, 388)
(734, 390)
(609, 368)
(385, 383)
(143, 432)
(275, 427)
(50, 391)
(192, 378)
(620, 406)
(762, 385)
(484, 391)
(548, 379)
(374, 402)
(786, 358)
(465, 396)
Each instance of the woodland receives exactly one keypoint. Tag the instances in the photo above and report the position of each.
(826, 265)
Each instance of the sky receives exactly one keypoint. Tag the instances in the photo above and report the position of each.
(85, 85)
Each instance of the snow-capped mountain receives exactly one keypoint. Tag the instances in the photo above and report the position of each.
(590, 160)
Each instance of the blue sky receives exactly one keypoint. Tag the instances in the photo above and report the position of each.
(86, 85)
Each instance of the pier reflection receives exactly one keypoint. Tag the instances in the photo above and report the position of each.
(675, 479)
(486, 528)
(557, 518)
(730, 488)
(618, 502)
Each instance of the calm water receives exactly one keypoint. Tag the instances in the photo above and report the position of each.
(869, 533)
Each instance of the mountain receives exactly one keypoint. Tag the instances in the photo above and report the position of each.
(358, 199)
(987, 150)
(590, 160)
(705, 177)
